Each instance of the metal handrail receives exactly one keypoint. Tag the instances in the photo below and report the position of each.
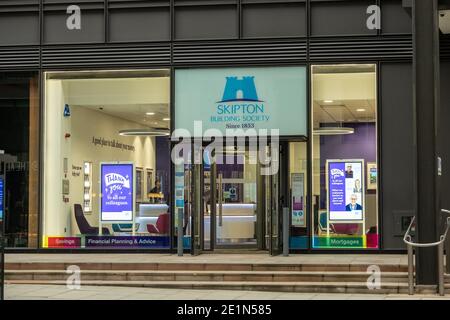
(440, 244)
(407, 237)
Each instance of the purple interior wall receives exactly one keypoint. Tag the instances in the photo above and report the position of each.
(359, 145)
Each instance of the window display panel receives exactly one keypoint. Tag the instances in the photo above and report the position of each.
(102, 128)
(19, 157)
(344, 122)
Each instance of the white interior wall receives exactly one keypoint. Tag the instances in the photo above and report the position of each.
(55, 150)
(82, 125)
(298, 159)
(344, 86)
(119, 91)
(86, 124)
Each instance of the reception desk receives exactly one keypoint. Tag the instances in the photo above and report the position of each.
(148, 214)
(239, 220)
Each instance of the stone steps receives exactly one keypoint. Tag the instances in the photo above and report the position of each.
(282, 277)
(202, 276)
(205, 266)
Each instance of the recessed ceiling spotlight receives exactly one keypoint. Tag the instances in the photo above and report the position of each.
(150, 113)
(360, 110)
(331, 131)
(166, 119)
(328, 101)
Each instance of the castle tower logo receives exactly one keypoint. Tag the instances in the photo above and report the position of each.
(240, 107)
(240, 89)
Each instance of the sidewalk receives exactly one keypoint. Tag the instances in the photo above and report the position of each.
(54, 292)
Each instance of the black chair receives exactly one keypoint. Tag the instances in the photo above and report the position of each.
(83, 224)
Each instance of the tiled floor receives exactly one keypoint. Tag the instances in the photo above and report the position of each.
(379, 259)
(54, 292)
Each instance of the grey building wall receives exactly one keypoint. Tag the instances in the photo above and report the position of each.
(444, 134)
(397, 179)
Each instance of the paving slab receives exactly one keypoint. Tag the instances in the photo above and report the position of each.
(55, 292)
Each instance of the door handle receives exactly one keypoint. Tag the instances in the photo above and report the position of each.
(220, 200)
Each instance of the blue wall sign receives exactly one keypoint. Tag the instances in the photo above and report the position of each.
(66, 110)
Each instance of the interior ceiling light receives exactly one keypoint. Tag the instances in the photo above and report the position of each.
(328, 101)
(360, 110)
(166, 119)
(144, 132)
(150, 113)
(330, 131)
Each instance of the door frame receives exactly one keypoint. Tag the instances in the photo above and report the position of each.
(261, 229)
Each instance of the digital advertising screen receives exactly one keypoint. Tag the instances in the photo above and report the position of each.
(345, 190)
(117, 187)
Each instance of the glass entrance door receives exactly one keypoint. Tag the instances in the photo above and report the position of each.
(228, 202)
(197, 237)
(273, 206)
(236, 201)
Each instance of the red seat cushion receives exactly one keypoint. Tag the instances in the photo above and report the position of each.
(346, 228)
(152, 229)
(163, 223)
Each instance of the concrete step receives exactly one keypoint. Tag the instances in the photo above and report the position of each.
(202, 276)
(207, 266)
(305, 287)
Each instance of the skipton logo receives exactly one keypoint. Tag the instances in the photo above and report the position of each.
(240, 106)
(240, 89)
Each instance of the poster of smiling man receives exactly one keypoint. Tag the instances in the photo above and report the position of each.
(345, 179)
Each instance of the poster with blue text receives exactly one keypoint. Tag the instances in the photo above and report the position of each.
(117, 192)
(345, 190)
